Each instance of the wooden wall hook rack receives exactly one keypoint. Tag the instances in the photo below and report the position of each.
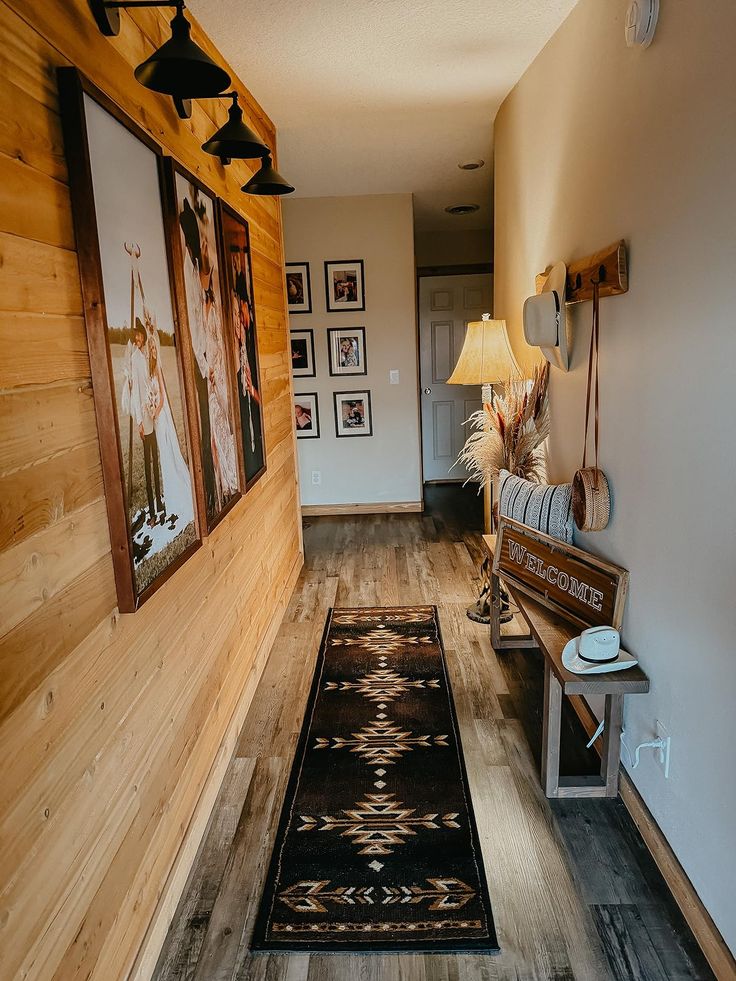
(609, 265)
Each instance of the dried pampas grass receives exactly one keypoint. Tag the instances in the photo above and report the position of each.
(509, 435)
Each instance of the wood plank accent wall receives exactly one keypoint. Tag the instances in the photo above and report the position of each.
(114, 729)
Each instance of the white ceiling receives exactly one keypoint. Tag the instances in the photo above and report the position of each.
(384, 96)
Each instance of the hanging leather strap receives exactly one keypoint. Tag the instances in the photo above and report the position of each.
(593, 367)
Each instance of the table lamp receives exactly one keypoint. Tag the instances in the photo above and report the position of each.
(486, 358)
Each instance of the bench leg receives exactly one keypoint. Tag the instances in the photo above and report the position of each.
(499, 641)
(552, 725)
(611, 755)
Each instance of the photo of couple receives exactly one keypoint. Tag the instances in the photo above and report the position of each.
(345, 285)
(149, 403)
(211, 366)
(236, 247)
(353, 414)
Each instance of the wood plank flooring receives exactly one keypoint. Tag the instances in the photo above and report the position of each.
(575, 893)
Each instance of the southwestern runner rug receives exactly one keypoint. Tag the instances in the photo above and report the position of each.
(377, 847)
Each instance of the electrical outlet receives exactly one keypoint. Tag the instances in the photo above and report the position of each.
(393, 376)
(663, 753)
(316, 477)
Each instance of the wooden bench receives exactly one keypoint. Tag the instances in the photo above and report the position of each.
(550, 632)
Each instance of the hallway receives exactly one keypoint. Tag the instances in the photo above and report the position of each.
(575, 893)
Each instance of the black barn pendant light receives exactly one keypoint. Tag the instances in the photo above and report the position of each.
(179, 68)
(235, 138)
(267, 180)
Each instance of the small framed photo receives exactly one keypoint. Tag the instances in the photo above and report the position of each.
(298, 287)
(306, 415)
(302, 353)
(345, 285)
(347, 350)
(353, 414)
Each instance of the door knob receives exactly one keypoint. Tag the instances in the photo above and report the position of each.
(427, 391)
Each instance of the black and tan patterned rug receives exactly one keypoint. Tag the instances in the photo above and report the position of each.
(377, 847)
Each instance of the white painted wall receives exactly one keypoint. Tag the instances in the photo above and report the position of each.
(598, 142)
(378, 228)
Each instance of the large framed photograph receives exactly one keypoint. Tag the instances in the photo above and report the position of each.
(306, 415)
(134, 344)
(353, 414)
(302, 353)
(347, 350)
(345, 285)
(243, 338)
(190, 209)
(298, 287)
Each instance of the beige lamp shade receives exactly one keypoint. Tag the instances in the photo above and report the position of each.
(486, 357)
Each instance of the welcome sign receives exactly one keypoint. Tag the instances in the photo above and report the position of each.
(579, 586)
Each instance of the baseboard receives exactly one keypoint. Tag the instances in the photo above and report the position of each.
(698, 918)
(314, 510)
(148, 954)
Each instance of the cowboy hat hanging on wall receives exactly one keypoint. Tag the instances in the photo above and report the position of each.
(545, 318)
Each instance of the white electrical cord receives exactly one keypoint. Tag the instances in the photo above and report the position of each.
(633, 762)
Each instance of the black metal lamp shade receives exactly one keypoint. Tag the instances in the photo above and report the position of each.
(267, 180)
(235, 138)
(181, 68)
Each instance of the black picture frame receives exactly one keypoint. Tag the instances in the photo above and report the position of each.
(309, 337)
(74, 89)
(306, 305)
(333, 342)
(335, 305)
(341, 432)
(233, 233)
(313, 432)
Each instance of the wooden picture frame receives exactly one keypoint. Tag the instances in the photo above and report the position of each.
(298, 287)
(594, 593)
(344, 429)
(200, 304)
(304, 351)
(233, 235)
(337, 337)
(344, 285)
(309, 401)
(129, 385)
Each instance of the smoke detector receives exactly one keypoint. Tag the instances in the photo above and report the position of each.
(462, 209)
(471, 164)
(641, 22)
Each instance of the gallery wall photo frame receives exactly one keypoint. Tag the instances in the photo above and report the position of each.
(306, 415)
(298, 287)
(303, 364)
(346, 350)
(344, 285)
(242, 331)
(136, 346)
(191, 221)
(353, 416)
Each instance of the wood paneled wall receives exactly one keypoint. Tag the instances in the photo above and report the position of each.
(113, 729)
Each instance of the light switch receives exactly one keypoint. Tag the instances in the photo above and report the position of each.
(393, 376)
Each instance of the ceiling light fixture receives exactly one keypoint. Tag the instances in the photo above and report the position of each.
(462, 209)
(235, 138)
(472, 164)
(179, 68)
(267, 180)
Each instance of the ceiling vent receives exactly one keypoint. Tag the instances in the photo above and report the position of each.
(462, 209)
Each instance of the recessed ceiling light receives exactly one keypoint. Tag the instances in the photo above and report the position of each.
(462, 209)
(471, 165)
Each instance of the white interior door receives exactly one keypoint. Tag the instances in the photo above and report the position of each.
(446, 305)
